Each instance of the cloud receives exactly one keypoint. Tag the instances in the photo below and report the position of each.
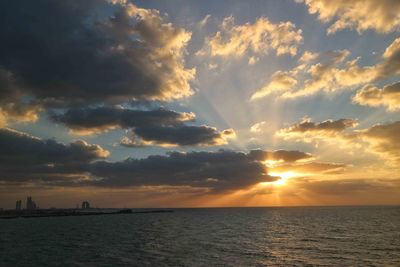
(221, 170)
(96, 120)
(178, 135)
(348, 186)
(81, 63)
(160, 127)
(79, 164)
(381, 139)
(204, 21)
(280, 155)
(280, 81)
(384, 139)
(218, 171)
(296, 163)
(65, 53)
(15, 111)
(309, 131)
(381, 16)
(47, 162)
(253, 60)
(311, 168)
(258, 38)
(26, 148)
(388, 96)
(12, 105)
(308, 56)
(330, 72)
(24, 156)
(257, 127)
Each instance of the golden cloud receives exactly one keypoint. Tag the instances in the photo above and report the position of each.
(258, 38)
(381, 139)
(330, 72)
(388, 96)
(280, 81)
(382, 16)
(384, 140)
(18, 112)
(309, 131)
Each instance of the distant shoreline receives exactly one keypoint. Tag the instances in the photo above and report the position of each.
(13, 214)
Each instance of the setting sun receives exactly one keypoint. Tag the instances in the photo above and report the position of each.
(283, 180)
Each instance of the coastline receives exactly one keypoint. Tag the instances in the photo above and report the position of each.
(13, 214)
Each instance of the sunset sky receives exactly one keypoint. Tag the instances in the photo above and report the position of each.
(200, 103)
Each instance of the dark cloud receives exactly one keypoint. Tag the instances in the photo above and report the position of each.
(24, 157)
(69, 55)
(25, 149)
(220, 170)
(307, 130)
(277, 155)
(103, 118)
(328, 125)
(64, 53)
(178, 135)
(51, 163)
(149, 127)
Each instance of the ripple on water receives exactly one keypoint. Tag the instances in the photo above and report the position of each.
(338, 236)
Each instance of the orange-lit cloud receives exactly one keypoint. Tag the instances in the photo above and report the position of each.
(382, 139)
(330, 72)
(280, 81)
(18, 112)
(257, 38)
(382, 16)
(309, 131)
(388, 96)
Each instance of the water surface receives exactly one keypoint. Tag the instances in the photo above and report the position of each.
(307, 236)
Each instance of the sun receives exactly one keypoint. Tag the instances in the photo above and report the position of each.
(284, 177)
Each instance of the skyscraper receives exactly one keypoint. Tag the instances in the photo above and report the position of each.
(85, 205)
(18, 205)
(30, 204)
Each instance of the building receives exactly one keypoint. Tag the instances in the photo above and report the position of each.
(85, 205)
(30, 204)
(18, 205)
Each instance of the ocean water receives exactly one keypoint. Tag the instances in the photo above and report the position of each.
(306, 236)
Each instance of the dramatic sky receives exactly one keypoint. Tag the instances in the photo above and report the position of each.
(200, 103)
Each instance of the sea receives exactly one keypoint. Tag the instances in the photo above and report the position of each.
(282, 236)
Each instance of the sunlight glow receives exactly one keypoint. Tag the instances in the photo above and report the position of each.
(284, 177)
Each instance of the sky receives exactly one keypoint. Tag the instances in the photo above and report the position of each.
(200, 103)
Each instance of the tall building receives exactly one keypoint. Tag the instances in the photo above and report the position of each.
(18, 205)
(85, 205)
(30, 204)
